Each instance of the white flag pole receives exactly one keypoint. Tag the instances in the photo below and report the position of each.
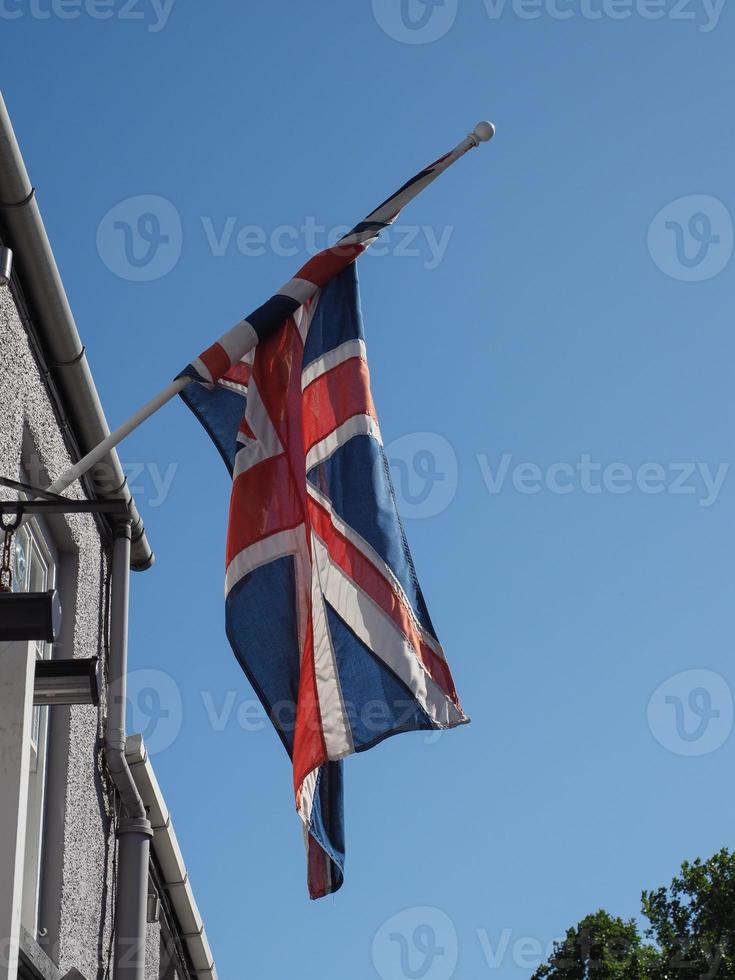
(482, 132)
(103, 448)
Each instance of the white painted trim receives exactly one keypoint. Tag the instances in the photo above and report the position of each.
(168, 854)
(17, 673)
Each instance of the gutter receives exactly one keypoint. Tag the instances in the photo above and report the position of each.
(170, 862)
(23, 230)
(117, 679)
(134, 831)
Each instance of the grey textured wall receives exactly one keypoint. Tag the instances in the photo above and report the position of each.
(153, 952)
(76, 909)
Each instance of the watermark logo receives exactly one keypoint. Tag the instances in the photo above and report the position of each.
(691, 239)
(154, 708)
(140, 238)
(153, 13)
(415, 21)
(416, 944)
(691, 713)
(423, 466)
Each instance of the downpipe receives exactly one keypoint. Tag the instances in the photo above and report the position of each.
(134, 831)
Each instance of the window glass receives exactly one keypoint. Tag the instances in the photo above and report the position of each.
(20, 560)
(34, 571)
(37, 570)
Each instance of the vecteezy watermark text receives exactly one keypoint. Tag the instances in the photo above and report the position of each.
(425, 21)
(426, 476)
(311, 237)
(141, 238)
(150, 481)
(705, 13)
(153, 13)
(155, 706)
(585, 475)
(422, 941)
(374, 717)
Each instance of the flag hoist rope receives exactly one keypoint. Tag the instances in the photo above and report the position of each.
(364, 233)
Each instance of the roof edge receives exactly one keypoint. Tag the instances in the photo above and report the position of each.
(25, 233)
(170, 860)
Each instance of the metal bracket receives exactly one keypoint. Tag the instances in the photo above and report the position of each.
(53, 503)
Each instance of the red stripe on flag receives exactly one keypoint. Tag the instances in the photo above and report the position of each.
(367, 577)
(216, 360)
(245, 429)
(334, 397)
(327, 264)
(239, 374)
(277, 374)
(316, 876)
(263, 502)
(309, 750)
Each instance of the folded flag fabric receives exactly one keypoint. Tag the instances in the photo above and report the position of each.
(323, 608)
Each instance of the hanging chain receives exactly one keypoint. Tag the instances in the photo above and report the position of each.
(6, 571)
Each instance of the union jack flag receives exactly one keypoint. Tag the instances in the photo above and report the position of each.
(323, 608)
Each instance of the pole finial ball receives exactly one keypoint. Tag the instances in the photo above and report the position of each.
(484, 131)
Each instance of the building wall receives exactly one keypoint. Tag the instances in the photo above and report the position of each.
(78, 864)
(76, 889)
(153, 952)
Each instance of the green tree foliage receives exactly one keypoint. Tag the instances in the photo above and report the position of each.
(600, 947)
(693, 921)
(691, 935)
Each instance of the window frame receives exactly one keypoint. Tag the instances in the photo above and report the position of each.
(40, 553)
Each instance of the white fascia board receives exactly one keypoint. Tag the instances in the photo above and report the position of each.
(170, 859)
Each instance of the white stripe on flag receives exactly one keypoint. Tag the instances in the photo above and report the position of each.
(335, 723)
(233, 386)
(307, 799)
(350, 348)
(239, 340)
(368, 552)
(378, 632)
(201, 369)
(305, 314)
(266, 443)
(298, 289)
(289, 542)
(358, 425)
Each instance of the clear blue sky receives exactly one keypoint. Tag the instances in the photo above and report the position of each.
(554, 328)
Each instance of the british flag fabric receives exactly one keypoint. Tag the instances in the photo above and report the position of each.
(323, 608)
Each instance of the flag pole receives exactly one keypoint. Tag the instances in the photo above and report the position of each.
(383, 215)
(103, 448)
